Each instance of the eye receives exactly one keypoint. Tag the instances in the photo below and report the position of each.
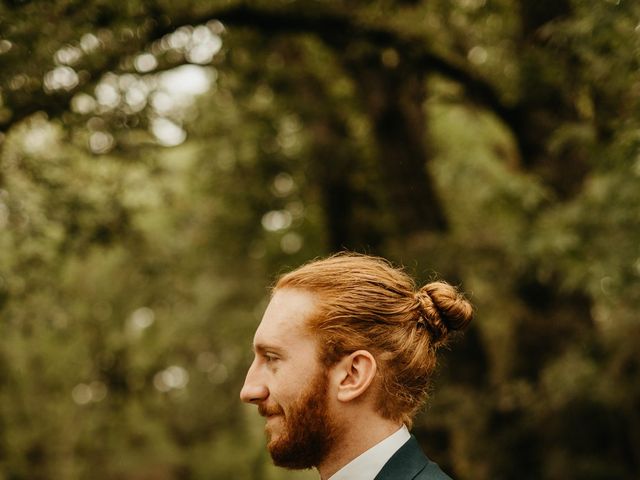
(270, 357)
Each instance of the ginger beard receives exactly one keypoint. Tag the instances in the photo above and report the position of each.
(306, 432)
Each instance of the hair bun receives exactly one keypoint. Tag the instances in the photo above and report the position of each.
(443, 309)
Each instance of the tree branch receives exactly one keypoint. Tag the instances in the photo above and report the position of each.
(337, 29)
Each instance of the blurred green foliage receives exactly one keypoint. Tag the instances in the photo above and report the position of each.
(161, 162)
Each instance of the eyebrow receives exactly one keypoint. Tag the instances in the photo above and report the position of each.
(263, 347)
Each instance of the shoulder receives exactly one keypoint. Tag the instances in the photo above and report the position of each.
(432, 471)
(410, 463)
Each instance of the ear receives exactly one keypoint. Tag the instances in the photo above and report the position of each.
(354, 374)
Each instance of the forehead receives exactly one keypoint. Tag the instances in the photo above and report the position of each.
(283, 322)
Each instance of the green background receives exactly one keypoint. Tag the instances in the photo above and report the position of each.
(494, 143)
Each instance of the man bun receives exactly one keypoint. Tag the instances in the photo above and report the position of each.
(442, 309)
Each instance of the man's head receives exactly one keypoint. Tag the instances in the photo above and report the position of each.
(288, 383)
(342, 336)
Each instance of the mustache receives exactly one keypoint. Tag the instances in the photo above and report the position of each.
(268, 410)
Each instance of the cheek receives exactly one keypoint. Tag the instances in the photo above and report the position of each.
(289, 377)
(292, 378)
(287, 393)
(284, 396)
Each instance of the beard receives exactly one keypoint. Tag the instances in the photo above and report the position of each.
(307, 432)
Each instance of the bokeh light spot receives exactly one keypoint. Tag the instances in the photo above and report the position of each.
(107, 95)
(167, 132)
(291, 243)
(173, 377)
(477, 55)
(89, 42)
(5, 46)
(101, 142)
(145, 62)
(68, 55)
(276, 220)
(61, 78)
(83, 103)
(142, 318)
(283, 184)
(81, 394)
(186, 79)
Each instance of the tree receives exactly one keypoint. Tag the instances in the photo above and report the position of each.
(493, 142)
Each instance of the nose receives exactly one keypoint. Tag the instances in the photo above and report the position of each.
(254, 390)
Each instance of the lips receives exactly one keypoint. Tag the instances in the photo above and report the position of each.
(270, 411)
(274, 419)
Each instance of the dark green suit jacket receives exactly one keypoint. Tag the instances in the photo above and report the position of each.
(410, 463)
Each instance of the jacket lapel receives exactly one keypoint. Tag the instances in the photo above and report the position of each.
(407, 462)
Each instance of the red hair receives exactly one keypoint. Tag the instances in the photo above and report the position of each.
(367, 303)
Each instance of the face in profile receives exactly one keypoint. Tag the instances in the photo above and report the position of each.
(289, 385)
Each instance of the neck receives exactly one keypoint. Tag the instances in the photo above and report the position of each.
(354, 441)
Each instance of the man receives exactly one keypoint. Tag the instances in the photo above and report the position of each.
(343, 358)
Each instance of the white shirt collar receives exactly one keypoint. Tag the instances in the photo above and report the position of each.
(367, 465)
